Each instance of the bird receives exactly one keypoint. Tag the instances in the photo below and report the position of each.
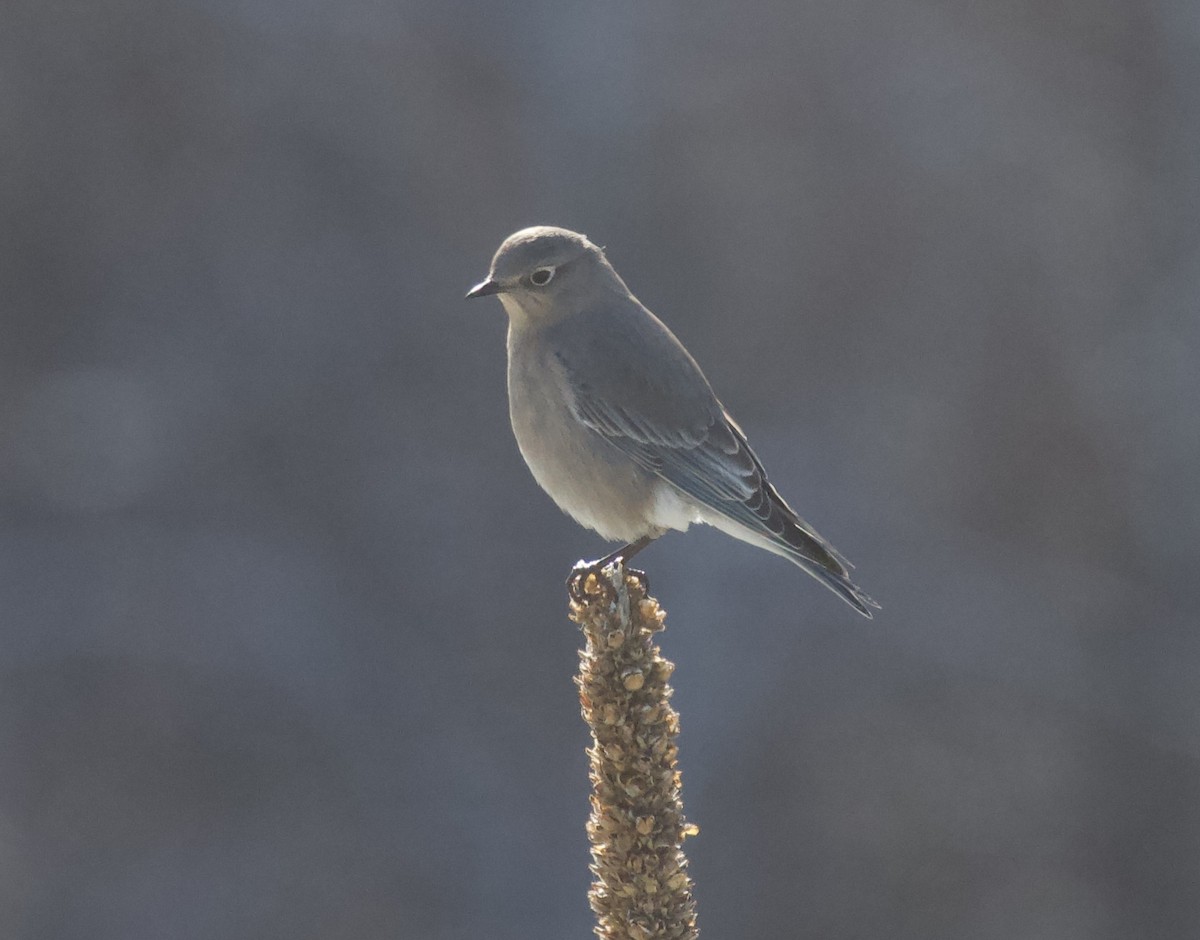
(617, 422)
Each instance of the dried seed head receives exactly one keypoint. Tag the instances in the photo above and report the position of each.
(641, 889)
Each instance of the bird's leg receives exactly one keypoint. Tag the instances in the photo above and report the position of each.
(624, 553)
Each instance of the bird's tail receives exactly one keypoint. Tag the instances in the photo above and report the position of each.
(840, 584)
(802, 545)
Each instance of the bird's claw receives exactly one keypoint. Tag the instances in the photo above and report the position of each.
(643, 579)
(577, 583)
(578, 579)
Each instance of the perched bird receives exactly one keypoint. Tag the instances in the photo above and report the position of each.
(617, 422)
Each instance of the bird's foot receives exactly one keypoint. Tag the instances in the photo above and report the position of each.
(642, 577)
(577, 583)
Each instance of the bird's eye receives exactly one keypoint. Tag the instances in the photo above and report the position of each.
(541, 277)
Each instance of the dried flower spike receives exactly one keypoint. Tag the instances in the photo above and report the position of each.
(637, 827)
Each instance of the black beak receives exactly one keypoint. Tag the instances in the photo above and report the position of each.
(483, 288)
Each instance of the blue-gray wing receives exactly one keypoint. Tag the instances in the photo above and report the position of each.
(635, 385)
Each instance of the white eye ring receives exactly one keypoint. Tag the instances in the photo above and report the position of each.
(541, 276)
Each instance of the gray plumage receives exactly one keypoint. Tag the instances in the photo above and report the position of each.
(617, 422)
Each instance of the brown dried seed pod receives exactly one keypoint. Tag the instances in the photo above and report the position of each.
(641, 888)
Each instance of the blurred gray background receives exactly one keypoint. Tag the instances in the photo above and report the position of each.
(283, 645)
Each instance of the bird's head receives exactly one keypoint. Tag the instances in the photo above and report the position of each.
(545, 272)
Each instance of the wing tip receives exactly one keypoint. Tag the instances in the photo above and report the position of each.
(844, 588)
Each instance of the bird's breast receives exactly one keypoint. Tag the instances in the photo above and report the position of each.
(587, 477)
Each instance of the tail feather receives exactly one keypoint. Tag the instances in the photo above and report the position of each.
(841, 585)
(804, 547)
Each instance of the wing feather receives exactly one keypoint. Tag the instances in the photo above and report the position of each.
(669, 422)
(713, 465)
